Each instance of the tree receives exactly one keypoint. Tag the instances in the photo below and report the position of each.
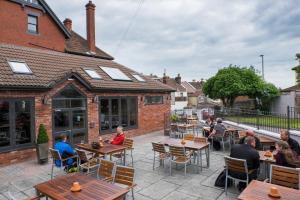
(234, 81)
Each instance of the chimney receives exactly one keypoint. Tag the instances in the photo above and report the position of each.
(90, 26)
(178, 79)
(68, 24)
(165, 78)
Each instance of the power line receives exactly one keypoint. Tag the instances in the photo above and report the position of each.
(140, 3)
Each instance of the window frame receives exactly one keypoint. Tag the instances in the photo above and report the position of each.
(126, 77)
(18, 72)
(139, 78)
(12, 125)
(129, 127)
(88, 69)
(154, 103)
(37, 23)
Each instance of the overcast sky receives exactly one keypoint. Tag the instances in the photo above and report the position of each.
(194, 37)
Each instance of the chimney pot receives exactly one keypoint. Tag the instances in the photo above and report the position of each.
(90, 26)
(68, 24)
(178, 79)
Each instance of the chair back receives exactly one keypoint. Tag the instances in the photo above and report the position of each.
(82, 155)
(124, 175)
(189, 136)
(55, 154)
(285, 176)
(242, 134)
(177, 151)
(236, 165)
(128, 143)
(158, 147)
(200, 139)
(174, 128)
(106, 168)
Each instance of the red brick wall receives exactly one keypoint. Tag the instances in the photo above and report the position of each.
(13, 28)
(150, 117)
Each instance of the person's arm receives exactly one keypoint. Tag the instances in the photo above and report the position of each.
(279, 159)
(256, 161)
(242, 140)
(212, 133)
(69, 150)
(118, 140)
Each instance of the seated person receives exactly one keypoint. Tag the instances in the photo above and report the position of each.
(217, 133)
(284, 155)
(119, 138)
(250, 132)
(211, 123)
(248, 152)
(294, 145)
(65, 151)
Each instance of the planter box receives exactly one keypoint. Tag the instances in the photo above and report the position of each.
(42, 152)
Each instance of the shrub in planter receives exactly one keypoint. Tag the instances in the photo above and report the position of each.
(174, 118)
(42, 146)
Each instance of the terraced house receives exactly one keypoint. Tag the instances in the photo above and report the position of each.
(51, 75)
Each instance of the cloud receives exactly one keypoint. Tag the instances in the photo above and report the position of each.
(195, 38)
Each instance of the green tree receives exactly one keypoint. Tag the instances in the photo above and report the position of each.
(42, 136)
(234, 81)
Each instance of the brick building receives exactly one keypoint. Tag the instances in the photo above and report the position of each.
(51, 75)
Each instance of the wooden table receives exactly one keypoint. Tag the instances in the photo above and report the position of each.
(92, 188)
(107, 149)
(267, 161)
(258, 190)
(266, 141)
(196, 146)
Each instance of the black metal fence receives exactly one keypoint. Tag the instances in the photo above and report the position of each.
(262, 120)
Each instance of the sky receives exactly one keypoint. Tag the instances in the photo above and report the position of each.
(194, 37)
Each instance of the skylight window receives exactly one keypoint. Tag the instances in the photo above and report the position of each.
(115, 74)
(93, 74)
(19, 67)
(138, 77)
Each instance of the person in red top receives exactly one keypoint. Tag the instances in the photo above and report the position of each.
(119, 138)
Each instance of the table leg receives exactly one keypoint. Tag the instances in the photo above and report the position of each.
(198, 157)
(208, 159)
(124, 157)
(200, 152)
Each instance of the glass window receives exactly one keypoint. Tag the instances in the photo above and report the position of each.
(61, 120)
(19, 67)
(115, 73)
(117, 111)
(22, 122)
(32, 24)
(4, 124)
(78, 119)
(153, 99)
(92, 73)
(69, 92)
(138, 77)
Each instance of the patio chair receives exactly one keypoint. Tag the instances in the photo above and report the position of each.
(222, 137)
(285, 176)
(201, 140)
(162, 153)
(179, 155)
(128, 143)
(85, 163)
(239, 166)
(189, 136)
(175, 131)
(125, 176)
(56, 156)
(106, 170)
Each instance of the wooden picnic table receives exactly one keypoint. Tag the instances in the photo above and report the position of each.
(107, 149)
(258, 190)
(265, 141)
(91, 188)
(196, 146)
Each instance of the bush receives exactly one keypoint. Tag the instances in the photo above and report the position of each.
(42, 136)
(174, 118)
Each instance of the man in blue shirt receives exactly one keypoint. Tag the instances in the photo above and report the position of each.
(65, 151)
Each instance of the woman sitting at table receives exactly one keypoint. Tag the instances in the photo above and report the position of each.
(211, 123)
(284, 155)
(119, 138)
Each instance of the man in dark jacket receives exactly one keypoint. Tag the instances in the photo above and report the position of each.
(250, 132)
(248, 152)
(294, 145)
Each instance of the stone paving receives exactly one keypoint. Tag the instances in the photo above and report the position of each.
(19, 179)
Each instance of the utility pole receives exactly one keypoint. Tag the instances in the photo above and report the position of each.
(262, 66)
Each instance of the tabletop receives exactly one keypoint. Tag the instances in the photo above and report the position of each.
(189, 144)
(186, 125)
(91, 188)
(265, 158)
(266, 140)
(258, 190)
(106, 149)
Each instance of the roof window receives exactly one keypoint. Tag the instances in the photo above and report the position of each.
(115, 74)
(19, 67)
(92, 73)
(138, 77)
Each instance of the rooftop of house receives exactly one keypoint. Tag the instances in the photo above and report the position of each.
(189, 88)
(197, 84)
(171, 82)
(293, 88)
(50, 67)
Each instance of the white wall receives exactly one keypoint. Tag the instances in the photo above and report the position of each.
(179, 105)
(279, 105)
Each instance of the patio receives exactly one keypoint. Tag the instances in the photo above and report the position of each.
(20, 178)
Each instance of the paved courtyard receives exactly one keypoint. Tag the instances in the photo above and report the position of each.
(19, 179)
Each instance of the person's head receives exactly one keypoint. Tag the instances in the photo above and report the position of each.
(250, 140)
(120, 130)
(250, 132)
(63, 137)
(284, 135)
(281, 145)
(219, 120)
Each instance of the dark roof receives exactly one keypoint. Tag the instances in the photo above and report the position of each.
(293, 88)
(197, 84)
(78, 45)
(46, 8)
(173, 84)
(51, 67)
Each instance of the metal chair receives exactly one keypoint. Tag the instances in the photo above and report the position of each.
(223, 137)
(285, 176)
(175, 131)
(162, 153)
(56, 156)
(128, 143)
(202, 140)
(179, 156)
(236, 166)
(189, 136)
(106, 170)
(84, 162)
(125, 176)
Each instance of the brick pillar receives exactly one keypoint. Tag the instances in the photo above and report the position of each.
(68, 24)
(90, 26)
